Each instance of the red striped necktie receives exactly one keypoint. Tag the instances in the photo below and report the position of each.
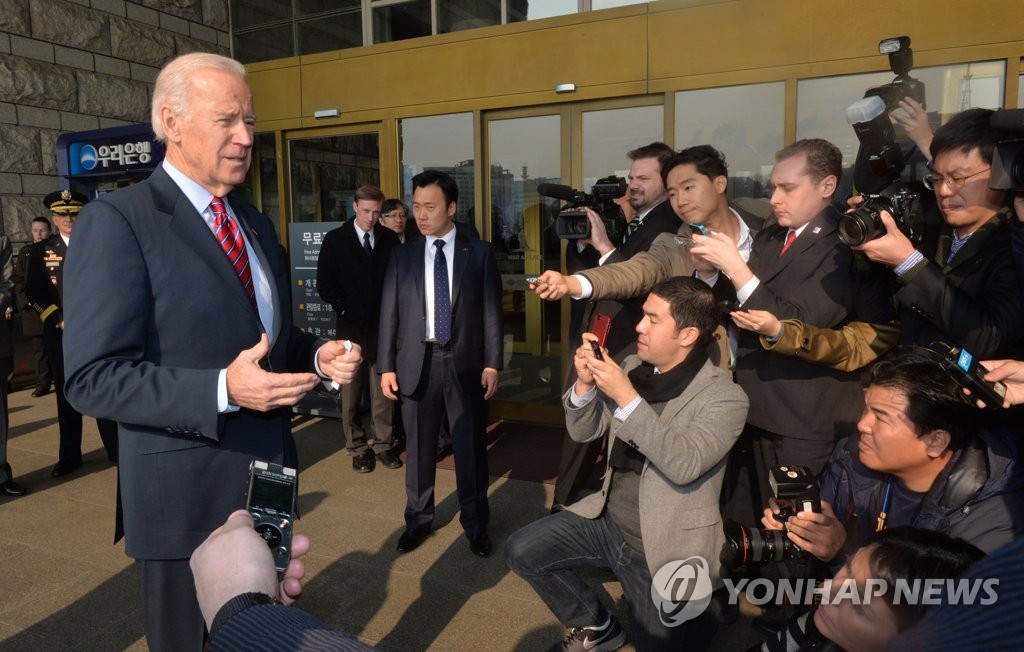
(230, 239)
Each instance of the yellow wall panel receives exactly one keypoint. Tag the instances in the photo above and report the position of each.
(588, 54)
(277, 93)
(752, 35)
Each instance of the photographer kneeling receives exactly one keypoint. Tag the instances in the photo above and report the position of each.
(672, 417)
(920, 459)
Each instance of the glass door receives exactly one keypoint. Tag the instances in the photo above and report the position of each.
(525, 149)
(325, 171)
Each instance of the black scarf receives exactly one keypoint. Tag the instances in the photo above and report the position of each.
(656, 389)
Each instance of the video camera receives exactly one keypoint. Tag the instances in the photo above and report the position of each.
(795, 490)
(1008, 158)
(880, 160)
(572, 222)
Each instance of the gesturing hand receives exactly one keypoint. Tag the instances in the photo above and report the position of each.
(252, 387)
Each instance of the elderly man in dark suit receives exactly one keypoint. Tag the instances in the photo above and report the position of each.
(179, 328)
(349, 276)
(441, 346)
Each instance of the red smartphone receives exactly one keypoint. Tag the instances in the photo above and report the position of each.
(600, 327)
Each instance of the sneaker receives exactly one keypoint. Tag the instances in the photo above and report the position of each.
(595, 639)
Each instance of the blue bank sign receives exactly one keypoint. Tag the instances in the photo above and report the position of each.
(109, 155)
(117, 151)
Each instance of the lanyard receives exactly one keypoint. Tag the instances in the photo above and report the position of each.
(884, 512)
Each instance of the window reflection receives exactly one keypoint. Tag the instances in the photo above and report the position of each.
(332, 32)
(456, 15)
(525, 152)
(519, 10)
(445, 143)
(401, 21)
(821, 103)
(821, 106)
(609, 134)
(325, 173)
(722, 118)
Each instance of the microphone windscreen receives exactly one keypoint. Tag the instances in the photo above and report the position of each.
(556, 191)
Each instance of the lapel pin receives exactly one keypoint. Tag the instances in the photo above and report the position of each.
(816, 230)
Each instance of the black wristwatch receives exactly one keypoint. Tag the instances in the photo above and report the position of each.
(237, 604)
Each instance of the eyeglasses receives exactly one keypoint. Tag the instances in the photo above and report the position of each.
(387, 217)
(934, 181)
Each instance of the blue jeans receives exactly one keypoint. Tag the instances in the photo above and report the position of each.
(547, 552)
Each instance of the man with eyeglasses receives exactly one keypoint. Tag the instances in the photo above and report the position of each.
(962, 288)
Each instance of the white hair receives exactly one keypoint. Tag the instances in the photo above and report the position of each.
(172, 84)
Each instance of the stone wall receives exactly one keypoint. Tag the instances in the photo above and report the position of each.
(72, 65)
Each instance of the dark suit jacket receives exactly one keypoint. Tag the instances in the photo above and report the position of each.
(975, 301)
(30, 324)
(277, 627)
(661, 219)
(814, 282)
(6, 301)
(351, 282)
(476, 313)
(155, 310)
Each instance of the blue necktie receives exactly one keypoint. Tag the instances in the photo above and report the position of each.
(442, 301)
(366, 244)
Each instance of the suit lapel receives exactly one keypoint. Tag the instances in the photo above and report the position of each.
(418, 250)
(190, 227)
(815, 230)
(463, 250)
(244, 220)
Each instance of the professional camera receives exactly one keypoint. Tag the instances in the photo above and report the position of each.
(795, 490)
(880, 160)
(572, 222)
(1008, 158)
(271, 502)
(865, 222)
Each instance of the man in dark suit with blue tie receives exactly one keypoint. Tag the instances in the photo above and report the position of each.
(440, 345)
(178, 326)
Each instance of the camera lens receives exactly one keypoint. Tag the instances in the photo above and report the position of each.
(744, 546)
(861, 225)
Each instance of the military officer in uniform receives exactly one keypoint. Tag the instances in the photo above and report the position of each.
(31, 327)
(44, 288)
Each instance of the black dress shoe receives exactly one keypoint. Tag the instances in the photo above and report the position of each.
(40, 391)
(389, 460)
(63, 468)
(364, 462)
(12, 489)
(411, 539)
(480, 544)
(443, 453)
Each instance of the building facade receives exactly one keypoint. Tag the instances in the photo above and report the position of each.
(68, 66)
(502, 94)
